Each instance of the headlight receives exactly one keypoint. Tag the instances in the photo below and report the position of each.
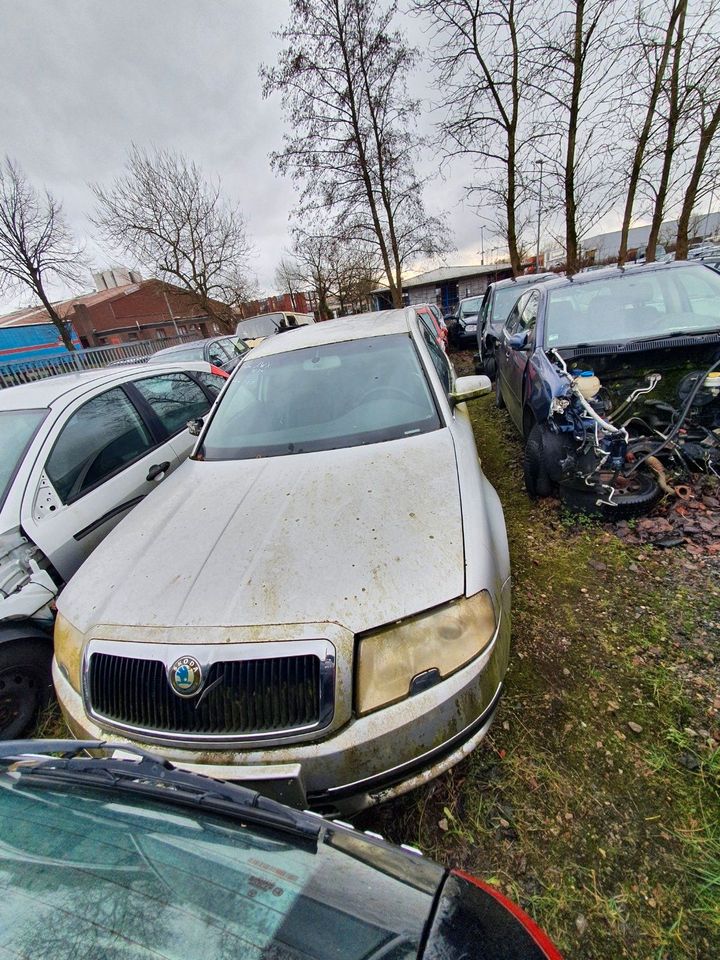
(68, 650)
(444, 639)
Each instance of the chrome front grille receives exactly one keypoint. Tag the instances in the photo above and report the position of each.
(262, 696)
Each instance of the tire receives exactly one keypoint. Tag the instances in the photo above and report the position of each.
(25, 685)
(490, 365)
(537, 478)
(499, 402)
(635, 501)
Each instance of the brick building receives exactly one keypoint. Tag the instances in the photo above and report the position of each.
(297, 303)
(140, 310)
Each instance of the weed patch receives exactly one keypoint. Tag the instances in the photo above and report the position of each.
(595, 800)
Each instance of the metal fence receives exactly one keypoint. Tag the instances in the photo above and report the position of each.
(15, 372)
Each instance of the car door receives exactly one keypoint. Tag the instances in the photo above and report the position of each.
(93, 469)
(502, 354)
(525, 314)
(103, 456)
(482, 318)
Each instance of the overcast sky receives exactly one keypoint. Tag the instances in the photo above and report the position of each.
(82, 79)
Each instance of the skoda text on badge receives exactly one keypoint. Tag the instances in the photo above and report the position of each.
(186, 676)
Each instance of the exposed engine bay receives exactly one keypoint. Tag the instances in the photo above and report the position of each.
(623, 430)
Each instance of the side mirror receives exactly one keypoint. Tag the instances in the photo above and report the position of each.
(195, 426)
(469, 388)
(518, 341)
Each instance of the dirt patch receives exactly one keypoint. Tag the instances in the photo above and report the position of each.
(595, 800)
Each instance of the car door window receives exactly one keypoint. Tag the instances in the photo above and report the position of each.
(427, 322)
(528, 314)
(211, 381)
(103, 436)
(174, 398)
(512, 324)
(437, 355)
(218, 355)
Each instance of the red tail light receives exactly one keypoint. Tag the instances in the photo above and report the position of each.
(218, 372)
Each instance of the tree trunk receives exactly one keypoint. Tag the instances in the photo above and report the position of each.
(641, 145)
(673, 120)
(515, 261)
(681, 245)
(571, 241)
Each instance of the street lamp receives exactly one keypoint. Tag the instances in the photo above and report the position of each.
(537, 250)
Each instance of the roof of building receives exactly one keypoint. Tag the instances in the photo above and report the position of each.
(444, 274)
(38, 314)
(381, 323)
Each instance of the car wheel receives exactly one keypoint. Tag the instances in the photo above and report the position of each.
(499, 402)
(490, 367)
(642, 493)
(25, 685)
(537, 479)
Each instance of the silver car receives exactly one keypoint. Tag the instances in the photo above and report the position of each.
(79, 452)
(318, 600)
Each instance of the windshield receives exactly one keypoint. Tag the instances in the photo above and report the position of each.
(634, 306)
(17, 428)
(471, 307)
(255, 327)
(321, 398)
(89, 873)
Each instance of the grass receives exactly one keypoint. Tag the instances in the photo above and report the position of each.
(608, 836)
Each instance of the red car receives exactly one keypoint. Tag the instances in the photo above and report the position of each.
(433, 318)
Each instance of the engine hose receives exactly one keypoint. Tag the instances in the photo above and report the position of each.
(607, 427)
(683, 417)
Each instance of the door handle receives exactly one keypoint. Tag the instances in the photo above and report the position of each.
(157, 470)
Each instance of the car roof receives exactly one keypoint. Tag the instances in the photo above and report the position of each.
(183, 346)
(358, 326)
(525, 280)
(633, 270)
(42, 393)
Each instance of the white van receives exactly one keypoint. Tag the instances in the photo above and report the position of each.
(257, 328)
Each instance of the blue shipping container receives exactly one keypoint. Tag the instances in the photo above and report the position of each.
(33, 343)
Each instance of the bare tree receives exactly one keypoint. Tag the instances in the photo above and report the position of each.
(164, 213)
(485, 66)
(656, 41)
(581, 84)
(675, 109)
(287, 278)
(36, 246)
(312, 266)
(342, 78)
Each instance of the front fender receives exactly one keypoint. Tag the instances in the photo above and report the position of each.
(543, 383)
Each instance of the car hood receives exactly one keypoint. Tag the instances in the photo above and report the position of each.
(359, 536)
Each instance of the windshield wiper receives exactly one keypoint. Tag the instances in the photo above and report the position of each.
(154, 777)
(676, 333)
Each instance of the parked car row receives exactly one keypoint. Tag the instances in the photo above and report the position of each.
(269, 626)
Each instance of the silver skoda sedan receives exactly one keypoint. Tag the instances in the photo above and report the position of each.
(317, 602)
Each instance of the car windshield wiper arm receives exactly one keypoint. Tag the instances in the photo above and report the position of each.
(155, 776)
(674, 334)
